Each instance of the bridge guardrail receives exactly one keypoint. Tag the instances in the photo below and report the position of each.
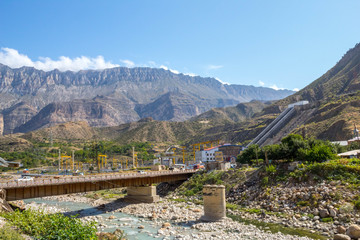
(53, 181)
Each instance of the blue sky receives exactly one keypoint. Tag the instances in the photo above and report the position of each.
(281, 44)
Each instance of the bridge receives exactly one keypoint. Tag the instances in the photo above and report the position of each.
(139, 185)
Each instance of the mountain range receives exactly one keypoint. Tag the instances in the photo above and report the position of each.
(333, 109)
(31, 99)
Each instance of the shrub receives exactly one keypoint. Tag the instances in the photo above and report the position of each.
(265, 181)
(346, 208)
(320, 153)
(51, 226)
(328, 219)
(271, 169)
(232, 206)
(195, 184)
(6, 232)
(303, 203)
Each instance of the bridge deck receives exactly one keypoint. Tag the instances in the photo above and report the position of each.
(75, 184)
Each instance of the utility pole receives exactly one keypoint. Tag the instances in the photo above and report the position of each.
(73, 159)
(59, 159)
(51, 137)
(133, 155)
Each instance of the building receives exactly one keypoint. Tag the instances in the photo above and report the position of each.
(230, 152)
(219, 156)
(350, 154)
(207, 155)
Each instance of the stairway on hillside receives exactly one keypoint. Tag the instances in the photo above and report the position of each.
(299, 118)
(282, 121)
(274, 126)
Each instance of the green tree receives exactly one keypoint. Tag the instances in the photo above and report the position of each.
(252, 152)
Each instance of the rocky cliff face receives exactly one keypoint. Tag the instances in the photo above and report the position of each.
(112, 96)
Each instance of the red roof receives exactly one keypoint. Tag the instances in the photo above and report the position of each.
(208, 149)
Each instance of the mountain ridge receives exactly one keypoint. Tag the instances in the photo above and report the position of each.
(129, 95)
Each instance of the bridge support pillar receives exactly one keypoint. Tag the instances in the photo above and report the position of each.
(214, 203)
(142, 194)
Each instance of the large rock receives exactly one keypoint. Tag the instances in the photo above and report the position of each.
(341, 229)
(324, 213)
(341, 237)
(332, 213)
(353, 231)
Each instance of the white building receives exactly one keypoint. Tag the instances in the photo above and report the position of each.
(207, 155)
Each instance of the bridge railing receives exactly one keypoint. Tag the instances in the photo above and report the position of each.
(89, 178)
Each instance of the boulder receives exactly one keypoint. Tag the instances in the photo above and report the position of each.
(341, 237)
(324, 213)
(332, 213)
(341, 230)
(165, 225)
(353, 231)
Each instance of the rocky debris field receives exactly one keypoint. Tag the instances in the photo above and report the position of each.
(323, 207)
(176, 217)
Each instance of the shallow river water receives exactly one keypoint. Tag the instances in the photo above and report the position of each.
(128, 223)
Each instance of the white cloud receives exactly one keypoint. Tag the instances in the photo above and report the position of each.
(128, 63)
(296, 89)
(261, 83)
(164, 67)
(191, 74)
(168, 69)
(214, 67)
(225, 83)
(14, 59)
(276, 87)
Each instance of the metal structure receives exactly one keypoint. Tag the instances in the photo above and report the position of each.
(101, 159)
(65, 162)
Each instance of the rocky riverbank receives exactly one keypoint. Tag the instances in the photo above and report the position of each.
(325, 207)
(174, 219)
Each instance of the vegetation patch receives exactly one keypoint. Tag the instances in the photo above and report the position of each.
(8, 233)
(106, 194)
(195, 184)
(345, 170)
(51, 226)
(327, 220)
(274, 228)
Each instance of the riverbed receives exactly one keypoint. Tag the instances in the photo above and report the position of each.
(167, 219)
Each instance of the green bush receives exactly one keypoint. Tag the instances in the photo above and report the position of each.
(7, 233)
(292, 147)
(303, 203)
(265, 181)
(51, 226)
(195, 184)
(252, 152)
(270, 170)
(232, 206)
(328, 219)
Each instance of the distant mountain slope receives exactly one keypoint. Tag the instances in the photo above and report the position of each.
(240, 112)
(343, 78)
(129, 94)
